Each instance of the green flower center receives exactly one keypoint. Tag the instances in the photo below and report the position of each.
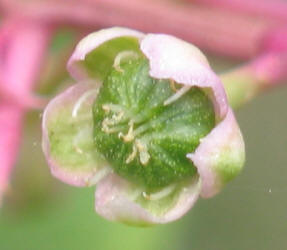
(144, 127)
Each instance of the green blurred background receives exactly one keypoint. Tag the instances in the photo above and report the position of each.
(42, 213)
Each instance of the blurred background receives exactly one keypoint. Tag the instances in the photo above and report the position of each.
(40, 212)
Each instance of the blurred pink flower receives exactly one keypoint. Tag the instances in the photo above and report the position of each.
(204, 26)
(22, 45)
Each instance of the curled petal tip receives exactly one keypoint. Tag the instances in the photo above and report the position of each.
(172, 58)
(91, 42)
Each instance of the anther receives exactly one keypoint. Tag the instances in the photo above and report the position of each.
(112, 107)
(130, 135)
(108, 130)
(133, 155)
(106, 108)
(115, 119)
(172, 85)
(144, 155)
(78, 150)
(81, 100)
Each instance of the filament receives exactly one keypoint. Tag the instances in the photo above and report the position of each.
(101, 173)
(177, 95)
(81, 100)
(161, 194)
(120, 56)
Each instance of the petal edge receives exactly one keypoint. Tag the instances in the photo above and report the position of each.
(114, 202)
(79, 168)
(220, 155)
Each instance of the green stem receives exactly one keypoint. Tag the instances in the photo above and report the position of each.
(246, 82)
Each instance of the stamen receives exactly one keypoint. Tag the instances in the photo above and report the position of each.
(81, 100)
(177, 95)
(108, 130)
(142, 129)
(130, 135)
(135, 194)
(78, 150)
(80, 138)
(172, 85)
(115, 119)
(120, 135)
(141, 148)
(105, 125)
(133, 155)
(121, 56)
(161, 194)
(113, 107)
(144, 155)
(98, 176)
(118, 117)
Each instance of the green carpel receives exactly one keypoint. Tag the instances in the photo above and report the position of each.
(143, 138)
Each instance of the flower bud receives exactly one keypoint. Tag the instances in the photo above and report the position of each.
(149, 123)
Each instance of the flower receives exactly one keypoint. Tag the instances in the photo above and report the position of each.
(148, 122)
(22, 46)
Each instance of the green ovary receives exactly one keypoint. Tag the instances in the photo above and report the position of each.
(144, 137)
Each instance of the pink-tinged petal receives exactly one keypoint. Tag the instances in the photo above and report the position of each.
(10, 131)
(118, 200)
(172, 58)
(22, 46)
(92, 42)
(68, 136)
(220, 155)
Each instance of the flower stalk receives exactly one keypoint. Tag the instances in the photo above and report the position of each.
(11, 117)
(260, 74)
